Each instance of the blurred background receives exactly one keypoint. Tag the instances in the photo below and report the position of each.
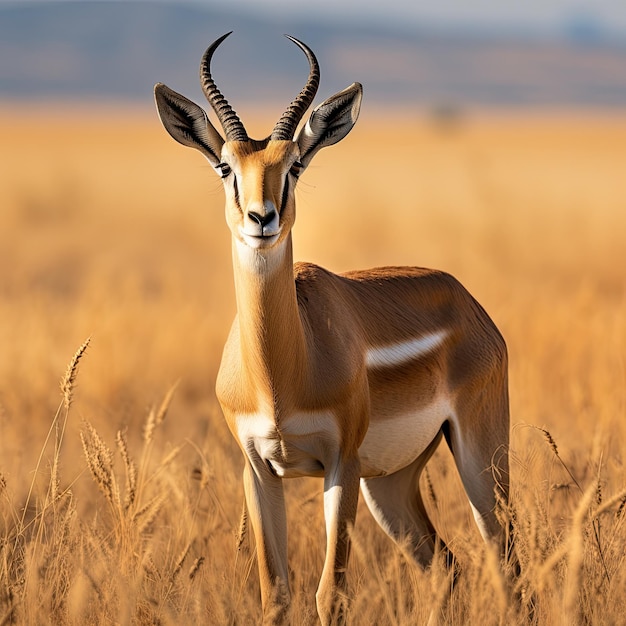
(491, 144)
(504, 121)
(412, 53)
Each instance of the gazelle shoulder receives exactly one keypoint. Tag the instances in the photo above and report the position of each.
(315, 282)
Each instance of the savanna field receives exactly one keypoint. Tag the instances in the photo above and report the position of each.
(120, 486)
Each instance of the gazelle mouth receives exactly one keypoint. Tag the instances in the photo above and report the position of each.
(260, 241)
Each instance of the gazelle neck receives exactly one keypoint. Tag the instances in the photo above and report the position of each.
(272, 339)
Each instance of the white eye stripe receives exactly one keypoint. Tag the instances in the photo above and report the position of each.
(404, 351)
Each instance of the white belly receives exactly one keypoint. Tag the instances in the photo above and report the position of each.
(394, 442)
(308, 441)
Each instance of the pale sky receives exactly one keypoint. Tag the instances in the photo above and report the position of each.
(534, 13)
(546, 14)
(488, 12)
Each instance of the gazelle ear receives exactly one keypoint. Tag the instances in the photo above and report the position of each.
(186, 122)
(330, 122)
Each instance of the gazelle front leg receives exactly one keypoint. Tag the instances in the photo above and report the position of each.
(266, 507)
(341, 494)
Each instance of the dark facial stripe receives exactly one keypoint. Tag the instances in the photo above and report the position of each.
(236, 187)
(283, 201)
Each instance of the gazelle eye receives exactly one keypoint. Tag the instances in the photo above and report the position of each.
(224, 169)
(296, 168)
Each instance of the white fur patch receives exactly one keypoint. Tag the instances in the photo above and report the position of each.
(480, 523)
(322, 423)
(258, 428)
(404, 351)
(394, 443)
(300, 448)
(332, 500)
(259, 260)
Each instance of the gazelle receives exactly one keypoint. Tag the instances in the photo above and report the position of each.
(353, 377)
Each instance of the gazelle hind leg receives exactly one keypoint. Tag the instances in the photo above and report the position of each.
(482, 459)
(481, 456)
(396, 504)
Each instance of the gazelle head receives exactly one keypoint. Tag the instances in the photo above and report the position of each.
(259, 176)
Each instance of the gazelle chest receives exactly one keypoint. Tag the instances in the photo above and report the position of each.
(301, 444)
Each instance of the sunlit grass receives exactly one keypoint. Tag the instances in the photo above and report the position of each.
(111, 231)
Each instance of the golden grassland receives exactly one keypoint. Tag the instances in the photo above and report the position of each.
(120, 494)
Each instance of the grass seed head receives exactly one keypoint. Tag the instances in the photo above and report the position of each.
(157, 416)
(243, 528)
(100, 461)
(548, 437)
(197, 564)
(147, 514)
(130, 469)
(69, 379)
(180, 561)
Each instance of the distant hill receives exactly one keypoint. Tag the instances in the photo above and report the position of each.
(118, 50)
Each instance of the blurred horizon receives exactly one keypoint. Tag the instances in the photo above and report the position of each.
(571, 18)
(559, 53)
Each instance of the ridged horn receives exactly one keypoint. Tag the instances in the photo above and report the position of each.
(286, 126)
(232, 125)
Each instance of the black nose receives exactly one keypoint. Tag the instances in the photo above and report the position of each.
(262, 220)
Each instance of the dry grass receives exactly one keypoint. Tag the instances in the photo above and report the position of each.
(115, 512)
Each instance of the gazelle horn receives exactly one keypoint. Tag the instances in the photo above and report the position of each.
(232, 125)
(286, 126)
